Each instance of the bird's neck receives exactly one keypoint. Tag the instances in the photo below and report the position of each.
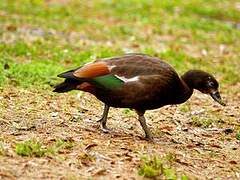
(187, 86)
(185, 92)
(191, 79)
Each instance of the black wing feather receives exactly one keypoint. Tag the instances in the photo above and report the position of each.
(68, 74)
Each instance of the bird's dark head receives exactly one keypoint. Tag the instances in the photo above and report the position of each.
(204, 82)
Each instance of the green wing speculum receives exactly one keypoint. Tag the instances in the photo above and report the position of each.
(107, 81)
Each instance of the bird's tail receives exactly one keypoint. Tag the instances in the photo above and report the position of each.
(67, 85)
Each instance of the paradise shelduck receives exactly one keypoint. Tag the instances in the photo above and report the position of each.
(139, 82)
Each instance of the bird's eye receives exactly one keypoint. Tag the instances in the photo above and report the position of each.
(210, 84)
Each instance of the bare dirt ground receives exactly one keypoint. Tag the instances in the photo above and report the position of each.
(202, 137)
(205, 152)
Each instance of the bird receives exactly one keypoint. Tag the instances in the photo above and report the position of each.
(139, 82)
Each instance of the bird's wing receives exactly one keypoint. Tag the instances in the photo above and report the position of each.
(133, 65)
(114, 72)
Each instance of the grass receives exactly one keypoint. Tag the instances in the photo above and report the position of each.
(201, 121)
(2, 150)
(34, 148)
(238, 135)
(128, 112)
(155, 166)
(37, 47)
(186, 107)
(151, 167)
(30, 148)
(60, 145)
(40, 39)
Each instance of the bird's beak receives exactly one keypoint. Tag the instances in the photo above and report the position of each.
(216, 96)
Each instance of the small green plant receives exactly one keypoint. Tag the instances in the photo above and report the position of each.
(127, 112)
(30, 148)
(169, 173)
(170, 157)
(151, 166)
(238, 135)
(36, 149)
(184, 177)
(185, 107)
(64, 144)
(155, 166)
(86, 158)
(2, 150)
(59, 146)
(201, 122)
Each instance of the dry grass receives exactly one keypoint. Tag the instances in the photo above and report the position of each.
(200, 152)
(57, 136)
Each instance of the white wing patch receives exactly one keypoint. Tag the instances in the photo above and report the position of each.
(136, 78)
(111, 67)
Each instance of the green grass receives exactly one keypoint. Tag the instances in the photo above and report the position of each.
(186, 107)
(34, 148)
(157, 167)
(30, 148)
(238, 135)
(40, 39)
(60, 145)
(2, 150)
(128, 112)
(201, 121)
(151, 167)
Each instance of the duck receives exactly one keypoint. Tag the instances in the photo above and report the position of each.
(139, 82)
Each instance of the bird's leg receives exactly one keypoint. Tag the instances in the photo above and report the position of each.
(142, 120)
(103, 119)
